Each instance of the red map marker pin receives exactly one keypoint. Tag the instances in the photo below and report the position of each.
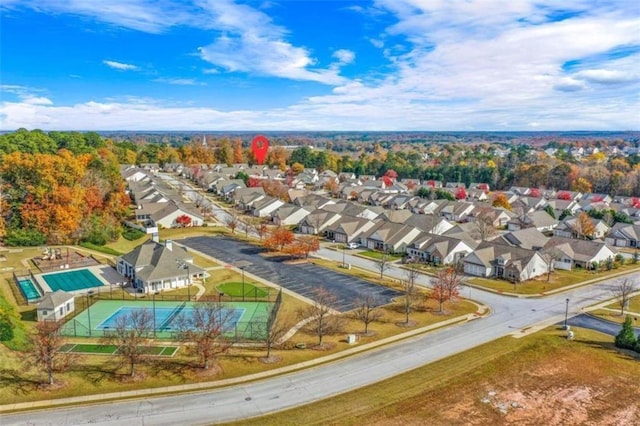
(260, 145)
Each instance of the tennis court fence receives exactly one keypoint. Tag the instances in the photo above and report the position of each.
(241, 332)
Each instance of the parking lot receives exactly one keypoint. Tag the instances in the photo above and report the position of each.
(302, 278)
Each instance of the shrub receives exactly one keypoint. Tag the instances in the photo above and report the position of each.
(24, 237)
(6, 327)
(626, 338)
(102, 249)
(132, 234)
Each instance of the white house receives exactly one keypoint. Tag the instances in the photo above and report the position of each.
(55, 306)
(153, 267)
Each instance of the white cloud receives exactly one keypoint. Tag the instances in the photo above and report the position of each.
(180, 81)
(344, 56)
(120, 65)
(252, 43)
(604, 76)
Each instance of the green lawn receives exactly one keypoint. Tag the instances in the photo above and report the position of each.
(377, 255)
(559, 279)
(634, 305)
(234, 289)
(97, 349)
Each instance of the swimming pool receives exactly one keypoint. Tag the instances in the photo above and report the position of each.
(79, 279)
(29, 289)
(168, 318)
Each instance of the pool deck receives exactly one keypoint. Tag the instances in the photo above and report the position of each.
(104, 273)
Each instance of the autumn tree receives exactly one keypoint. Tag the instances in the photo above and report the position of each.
(297, 168)
(204, 331)
(622, 291)
(501, 200)
(47, 342)
(130, 334)
(461, 193)
(322, 314)
(445, 285)
(309, 244)
(279, 238)
(183, 221)
(366, 311)
(238, 153)
(6, 327)
(581, 185)
(583, 226)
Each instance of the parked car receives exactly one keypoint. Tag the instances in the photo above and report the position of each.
(353, 245)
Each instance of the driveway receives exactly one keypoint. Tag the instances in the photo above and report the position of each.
(597, 324)
(302, 279)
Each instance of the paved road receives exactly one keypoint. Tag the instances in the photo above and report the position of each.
(607, 327)
(303, 279)
(509, 315)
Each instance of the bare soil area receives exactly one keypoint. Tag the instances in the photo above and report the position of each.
(578, 384)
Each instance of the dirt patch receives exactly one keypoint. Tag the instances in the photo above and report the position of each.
(585, 384)
(273, 359)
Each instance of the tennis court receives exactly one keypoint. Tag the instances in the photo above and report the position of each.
(78, 279)
(168, 319)
(242, 320)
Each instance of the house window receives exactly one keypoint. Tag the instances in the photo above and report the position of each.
(61, 310)
(68, 306)
(44, 313)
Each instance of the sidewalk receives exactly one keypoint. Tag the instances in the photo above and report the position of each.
(25, 406)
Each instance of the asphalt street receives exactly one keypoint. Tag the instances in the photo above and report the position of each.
(303, 279)
(607, 327)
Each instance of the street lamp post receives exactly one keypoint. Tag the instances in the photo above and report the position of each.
(242, 269)
(566, 314)
(154, 313)
(343, 263)
(188, 283)
(89, 311)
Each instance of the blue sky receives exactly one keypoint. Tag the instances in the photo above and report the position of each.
(320, 65)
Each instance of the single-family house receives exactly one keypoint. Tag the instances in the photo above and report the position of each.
(569, 253)
(167, 217)
(491, 259)
(539, 219)
(317, 221)
(288, 214)
(438, 249)
(527, 238)
(389, 236)
(349, 229)
(265, 206)
(624, 235)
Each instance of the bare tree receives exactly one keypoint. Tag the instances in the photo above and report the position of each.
(232, 222)
(277, 327)
(205, 329)
(322, 314)
(483, 228)
(130, 334)
(366, 311)
(47, 342)
(383, 263)
(550, 256)
(622, 292)
(409, 291)
(445, 285)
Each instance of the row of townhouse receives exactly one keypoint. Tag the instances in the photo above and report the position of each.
(157, 204)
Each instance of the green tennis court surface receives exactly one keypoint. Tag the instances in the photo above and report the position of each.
(111, 349)
(249, 319)
(78, 279)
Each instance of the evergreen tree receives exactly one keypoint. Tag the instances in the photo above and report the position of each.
(626, 338)
(6, 327)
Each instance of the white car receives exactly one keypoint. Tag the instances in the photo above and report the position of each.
(353, 245)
